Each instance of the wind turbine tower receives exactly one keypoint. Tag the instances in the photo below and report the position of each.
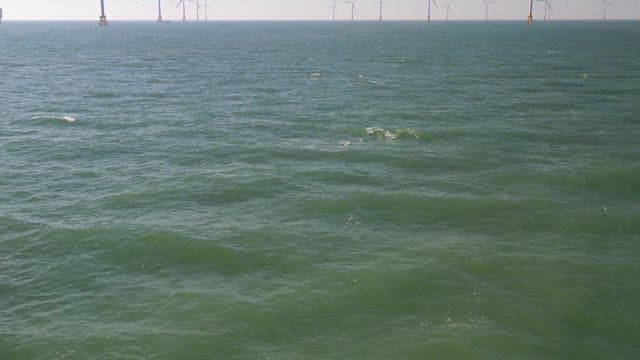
(530, 18)
(380, 2)
(103, 17)
(159, 13)
(605, 5)
(0, 15)
(429, 9)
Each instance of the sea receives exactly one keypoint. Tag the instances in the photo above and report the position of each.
(320, 190)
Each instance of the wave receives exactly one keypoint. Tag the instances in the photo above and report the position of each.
(390, 135)
(54, 118)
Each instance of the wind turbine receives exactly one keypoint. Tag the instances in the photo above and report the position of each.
(486, 8)
(159, 12)
(198, 7)
(103, 17)
(380, 2)
(605, 5)
(353, 8)
(547, 10)
(334, 9)
(530, 17)
(206, 8)
(448, 7)
(184, 10)
(429, 8)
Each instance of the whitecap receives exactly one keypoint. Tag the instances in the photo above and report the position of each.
(54, 118)
(391, 135)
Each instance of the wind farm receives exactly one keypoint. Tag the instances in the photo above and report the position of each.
(338, 10)
(434, 10)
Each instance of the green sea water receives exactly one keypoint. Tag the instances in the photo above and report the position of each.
(301, 190)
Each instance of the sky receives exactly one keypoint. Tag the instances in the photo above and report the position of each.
(311, 9)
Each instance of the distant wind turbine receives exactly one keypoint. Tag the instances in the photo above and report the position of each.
(160, 21)
(605, 5)
(159, 12)
(530, 17)
(334, 8)
(380, 2)
(103, 17)
(198, 7)
(184, 10)
(547, 10)
(353, 8)
(429, 8)
(486, 8)
(448, 7)
(206, 8)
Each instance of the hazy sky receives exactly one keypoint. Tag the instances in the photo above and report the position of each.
(310, 9)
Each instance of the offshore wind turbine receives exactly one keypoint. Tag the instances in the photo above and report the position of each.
(198, 7)
(380, 2)
(103, 17)
(429, 8)
(605, 5)
(353, 8)
(334, 9)
(206, 8)
(184, 10)
(448, 7)
(547, 10)
(530, 17)
(486, 8)
(160, 12)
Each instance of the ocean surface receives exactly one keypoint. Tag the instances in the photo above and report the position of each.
(319, 190)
